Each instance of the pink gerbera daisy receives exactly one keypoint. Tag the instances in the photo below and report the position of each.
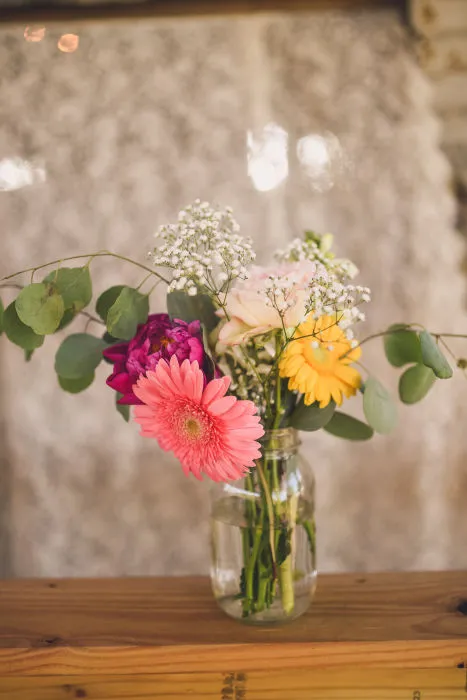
(206, 430)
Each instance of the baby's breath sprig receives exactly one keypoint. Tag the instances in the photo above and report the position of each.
(204, 250)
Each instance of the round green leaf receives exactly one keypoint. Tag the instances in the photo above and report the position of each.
(415, 383)
(75, 386)
(402, 346)
(129, 310)
(68, 317)
(74, 285)
(199, 307)
(433, 357)
(2, 310)
(378, 406)
(40, 307)
(311, 418)
(18, 332)
(78, 356)
(344, 426)
(108, 299)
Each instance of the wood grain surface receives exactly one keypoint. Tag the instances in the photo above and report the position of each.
(146, 626)
(300, 685)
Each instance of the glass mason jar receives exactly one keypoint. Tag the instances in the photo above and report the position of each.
(263, 566)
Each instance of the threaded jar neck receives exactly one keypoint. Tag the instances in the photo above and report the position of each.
(282, 439)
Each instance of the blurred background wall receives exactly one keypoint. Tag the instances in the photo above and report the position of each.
(320, 120)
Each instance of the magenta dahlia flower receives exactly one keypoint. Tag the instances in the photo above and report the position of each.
(158, 338)
(207, 431)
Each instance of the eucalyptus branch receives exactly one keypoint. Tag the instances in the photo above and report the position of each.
(100, 254)
(90, 317)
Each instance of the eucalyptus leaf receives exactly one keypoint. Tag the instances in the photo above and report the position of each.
(123, 409)
(110, 340)
(196, 308)
(415, 383)
(2, 310)
(74, 285)
(68, 317)
(311, 418)
(18, 332)
(78, 356)
(344, 426)
(129, 310)
(433, 357)
(108, 299)
(378, 407)
(402, 346)
(40, 307)
(75, 386)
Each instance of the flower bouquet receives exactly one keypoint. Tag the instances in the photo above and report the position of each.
(244, 358)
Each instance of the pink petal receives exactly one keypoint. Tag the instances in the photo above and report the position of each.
(215, 389)
(220, 406)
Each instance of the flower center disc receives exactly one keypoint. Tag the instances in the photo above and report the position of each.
(193, 427)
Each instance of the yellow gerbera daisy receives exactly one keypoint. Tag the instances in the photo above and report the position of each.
(318, 365)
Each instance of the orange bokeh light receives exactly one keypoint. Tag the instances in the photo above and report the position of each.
(68, 43)
(34, 34)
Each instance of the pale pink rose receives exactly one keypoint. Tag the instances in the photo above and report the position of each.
(248, 309)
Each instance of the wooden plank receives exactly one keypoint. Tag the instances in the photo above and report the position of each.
(434, 17)
(444, 55)
(36, 13)
(454, 130)
(450, 93)
(324, 685)
(97, 661)
(124, 626)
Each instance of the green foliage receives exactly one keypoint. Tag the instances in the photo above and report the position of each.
(2, 311)
(433, 357)
(17, 332)
(78, 356)
(75, 386)
(74, 285)
(311, 418)
(28, 355)
(108, 299)
(129, 310)
(68, 317)
(40, 307)
(123, 410)
(110, 340)
(284, 545)
(380, 410)
(415, 383)
(197, 308)
(402, 346)
(344, 426)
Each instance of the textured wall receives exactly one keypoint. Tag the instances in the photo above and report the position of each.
(142, 119)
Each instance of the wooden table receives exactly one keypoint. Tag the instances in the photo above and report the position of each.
(366, 637)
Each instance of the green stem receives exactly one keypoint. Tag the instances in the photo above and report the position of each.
(310, 530)
(250, 569)
(270, 510)
(286, 581)
(91, 256)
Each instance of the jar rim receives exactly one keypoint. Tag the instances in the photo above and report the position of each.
(280, 438)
